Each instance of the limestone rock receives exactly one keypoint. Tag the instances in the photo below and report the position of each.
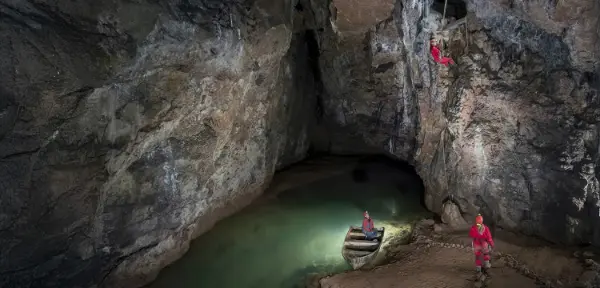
(437, 228)
(427, 222)
(451, 215)
(588, 279)
(561, 35)
(357, 17)
(129, 127)
(364, 77)
(496, 132)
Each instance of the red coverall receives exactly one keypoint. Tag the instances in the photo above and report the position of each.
(482, 242)
(367, 228)
(435, 52)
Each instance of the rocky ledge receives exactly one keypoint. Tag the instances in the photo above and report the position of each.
(436, 246)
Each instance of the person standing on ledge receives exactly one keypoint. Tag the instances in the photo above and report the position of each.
(436, 54)
(368, 228)
(482, 243)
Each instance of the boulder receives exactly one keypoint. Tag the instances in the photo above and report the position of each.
(451, 215)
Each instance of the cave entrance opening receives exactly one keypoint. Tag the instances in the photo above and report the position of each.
(408, 180)
(456, 9)
(297, 228)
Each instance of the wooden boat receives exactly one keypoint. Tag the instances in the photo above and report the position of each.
(357, 250)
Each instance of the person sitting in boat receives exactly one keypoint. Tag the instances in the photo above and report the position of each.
(368, 228)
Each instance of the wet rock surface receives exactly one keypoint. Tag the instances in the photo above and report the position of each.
(129, 127)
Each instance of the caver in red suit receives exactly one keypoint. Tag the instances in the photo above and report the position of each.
(435, 52)
(482, 243)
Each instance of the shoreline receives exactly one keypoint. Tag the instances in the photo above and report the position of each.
(527, 264)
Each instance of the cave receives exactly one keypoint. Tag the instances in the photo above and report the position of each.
(456, 9)
(319, 196)
(124, 138)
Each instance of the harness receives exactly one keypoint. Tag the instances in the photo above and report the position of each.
(481, 240)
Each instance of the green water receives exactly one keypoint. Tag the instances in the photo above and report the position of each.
(276, 244)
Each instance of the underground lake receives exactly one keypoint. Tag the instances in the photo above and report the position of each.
(298, 232)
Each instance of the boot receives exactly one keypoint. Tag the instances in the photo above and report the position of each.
(478, 274)
(487, 271)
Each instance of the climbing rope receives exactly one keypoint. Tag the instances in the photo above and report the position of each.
(443, 24)
(444, 159)
(444, 16)
(467, 32)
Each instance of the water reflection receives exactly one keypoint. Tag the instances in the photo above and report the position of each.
(300, 232)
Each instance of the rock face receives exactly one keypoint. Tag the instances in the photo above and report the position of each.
(519, 142)
(510, 131)
(367, 101)
(129, 127)
(451, 215)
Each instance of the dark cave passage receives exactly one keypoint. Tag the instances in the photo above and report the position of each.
(456, 9)
(410, 179)
(312, 46)
(299, 229)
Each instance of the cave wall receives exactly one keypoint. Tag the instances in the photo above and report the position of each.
(509, 132)
(130, 127)
(518, 140)
(366, 103)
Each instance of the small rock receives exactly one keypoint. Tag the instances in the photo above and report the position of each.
(428, 222)
(588, 254)
(587, 279)
(499, 263)
(589, 262)
(451, 215)
(437, 228)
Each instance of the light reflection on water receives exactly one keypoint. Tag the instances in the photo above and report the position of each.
(277, 244)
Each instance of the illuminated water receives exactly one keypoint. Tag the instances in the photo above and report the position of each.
(275, 245)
